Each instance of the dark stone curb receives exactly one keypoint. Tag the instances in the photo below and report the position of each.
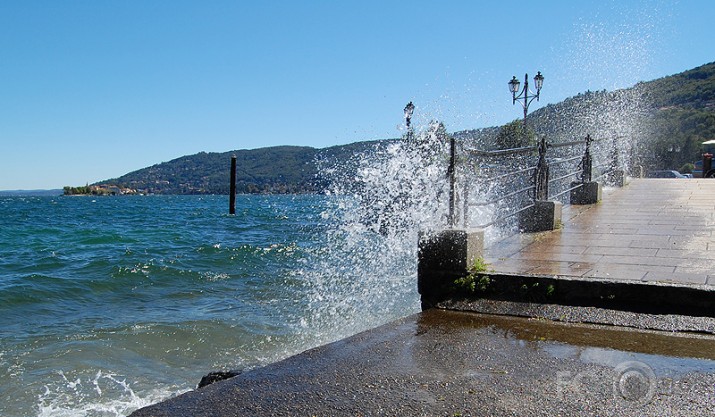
(632, 296)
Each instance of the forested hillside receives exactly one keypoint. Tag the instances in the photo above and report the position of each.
(274, 170)
(684, 115)
(664, 120)
(285, 169)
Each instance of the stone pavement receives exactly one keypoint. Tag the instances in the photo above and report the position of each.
(652, 230)
(444, 363)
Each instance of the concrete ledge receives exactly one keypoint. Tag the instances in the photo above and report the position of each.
(587, 193)
(545, 215)
(583, 314)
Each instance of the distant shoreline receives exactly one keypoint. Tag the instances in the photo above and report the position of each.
(30, 193)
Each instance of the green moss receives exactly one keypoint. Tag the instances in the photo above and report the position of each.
(476, 281)
(479, 266)
(550, 290)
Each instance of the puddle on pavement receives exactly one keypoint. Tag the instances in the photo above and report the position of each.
(668, 354)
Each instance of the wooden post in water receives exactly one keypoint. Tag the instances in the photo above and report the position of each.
(232, 198)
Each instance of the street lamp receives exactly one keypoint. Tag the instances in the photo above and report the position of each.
(526, 96)
(409, 109)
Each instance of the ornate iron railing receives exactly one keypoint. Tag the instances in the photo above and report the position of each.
(503, 183)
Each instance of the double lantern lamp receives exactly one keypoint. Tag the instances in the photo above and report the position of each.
(526, 96)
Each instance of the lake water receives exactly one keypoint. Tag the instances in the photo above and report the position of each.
(109, 304)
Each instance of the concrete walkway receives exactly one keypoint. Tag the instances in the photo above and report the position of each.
(652, 230)
(443, 363)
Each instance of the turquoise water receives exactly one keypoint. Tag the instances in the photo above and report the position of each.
(109, 304)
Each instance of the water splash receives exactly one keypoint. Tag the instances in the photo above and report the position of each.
(615, 53)
(365, 273)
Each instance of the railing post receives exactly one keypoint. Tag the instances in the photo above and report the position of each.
(586, 162)
(451, 174)
(465, 208)
(541, 176)
(618, 175)
(586, 191)
(614, 158)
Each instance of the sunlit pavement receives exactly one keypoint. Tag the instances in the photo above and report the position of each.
(445, 363)
(652, 230)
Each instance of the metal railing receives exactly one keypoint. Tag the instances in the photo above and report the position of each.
(504, 183)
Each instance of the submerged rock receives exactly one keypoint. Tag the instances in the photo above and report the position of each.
(217, 376)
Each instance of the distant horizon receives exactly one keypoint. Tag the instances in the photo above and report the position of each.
(97, 90)
(19, 193)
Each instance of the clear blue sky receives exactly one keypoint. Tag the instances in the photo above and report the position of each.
(91, 90)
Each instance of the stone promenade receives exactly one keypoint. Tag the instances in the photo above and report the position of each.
(447, 363)
(652, 230)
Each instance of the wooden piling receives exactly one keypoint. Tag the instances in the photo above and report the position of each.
(232, 198)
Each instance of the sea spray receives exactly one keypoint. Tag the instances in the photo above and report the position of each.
(619, 122)
(380, 199)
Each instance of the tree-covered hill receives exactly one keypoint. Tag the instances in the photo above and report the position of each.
(684, 115)
(285, 169)
(273, 170)
(665, 120)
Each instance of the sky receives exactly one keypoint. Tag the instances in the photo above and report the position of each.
(94, 89)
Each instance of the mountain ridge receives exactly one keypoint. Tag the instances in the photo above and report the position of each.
(674, 112)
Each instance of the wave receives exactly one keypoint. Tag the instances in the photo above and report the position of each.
(102, 315)
(104, 394)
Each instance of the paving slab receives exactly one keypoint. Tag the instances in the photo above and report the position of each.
(652, 230)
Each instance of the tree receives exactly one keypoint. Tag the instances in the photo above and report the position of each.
(513, 135)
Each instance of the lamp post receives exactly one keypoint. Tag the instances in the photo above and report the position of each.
(674, 155)
(526, 96)
(409, 109)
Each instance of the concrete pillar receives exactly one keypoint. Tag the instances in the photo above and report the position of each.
(443, 257)
(545, 215)
(587, 193)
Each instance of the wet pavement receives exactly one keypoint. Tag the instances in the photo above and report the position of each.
(652, 230)
(446, 363)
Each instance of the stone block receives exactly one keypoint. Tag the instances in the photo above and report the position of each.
(587, 193)
(543, 216)
(618, 178)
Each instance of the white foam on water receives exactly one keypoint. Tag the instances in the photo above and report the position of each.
(102, 395)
